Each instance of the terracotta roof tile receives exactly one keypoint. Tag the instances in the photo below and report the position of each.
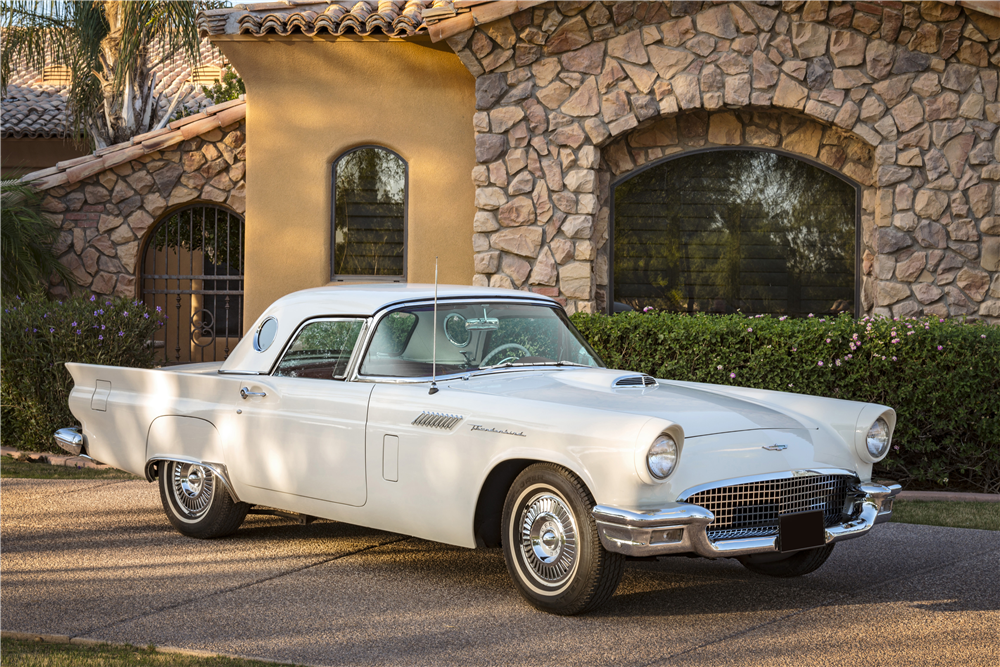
(396, 18)
(72, 171)
(33, 109)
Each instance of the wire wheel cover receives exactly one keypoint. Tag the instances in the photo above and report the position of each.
(548, 538)
(193, 487)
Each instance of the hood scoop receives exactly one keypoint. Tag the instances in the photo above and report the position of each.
(638, 381)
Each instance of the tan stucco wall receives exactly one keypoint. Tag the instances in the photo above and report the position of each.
(309, 101)
(20, 156)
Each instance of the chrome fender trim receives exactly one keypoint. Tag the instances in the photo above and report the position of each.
(218, 469)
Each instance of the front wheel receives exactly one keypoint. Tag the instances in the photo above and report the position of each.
(551, 545)
(196, 502)
(796, 565)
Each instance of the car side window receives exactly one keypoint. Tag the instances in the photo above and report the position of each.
(321, 350)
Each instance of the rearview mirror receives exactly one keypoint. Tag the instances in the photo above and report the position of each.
(482, 324)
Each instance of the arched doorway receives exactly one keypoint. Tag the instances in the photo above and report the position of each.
(726, 230)
(192, 270)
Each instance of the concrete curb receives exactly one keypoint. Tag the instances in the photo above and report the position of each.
(81, 641)
(950, 496)
(53, 459)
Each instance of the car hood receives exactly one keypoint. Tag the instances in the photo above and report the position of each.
(697, 411)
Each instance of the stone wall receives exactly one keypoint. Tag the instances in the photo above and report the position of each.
(106, 217)
(900, 98)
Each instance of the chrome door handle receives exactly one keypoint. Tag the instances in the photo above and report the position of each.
(246, 393)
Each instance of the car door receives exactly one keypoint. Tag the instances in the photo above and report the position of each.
(301, 430)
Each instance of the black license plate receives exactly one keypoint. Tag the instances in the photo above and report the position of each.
(803, 530)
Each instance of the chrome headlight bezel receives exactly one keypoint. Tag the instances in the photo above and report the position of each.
(870, 416)
(662, 450)
(879, 435)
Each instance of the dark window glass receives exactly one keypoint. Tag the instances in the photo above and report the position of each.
(473, 336)
(368, 218)
(321, 350)
(723, 231)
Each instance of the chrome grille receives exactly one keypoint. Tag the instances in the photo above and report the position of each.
(636, 381)
(437, 420)
(752, 509)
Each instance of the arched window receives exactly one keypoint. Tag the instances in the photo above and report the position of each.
(726, 230)
(369, 215)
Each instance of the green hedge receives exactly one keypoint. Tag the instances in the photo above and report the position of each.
(941, 376)
(37, 336)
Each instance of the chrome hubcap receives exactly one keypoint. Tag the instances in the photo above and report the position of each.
(194, 487)
(548, 538)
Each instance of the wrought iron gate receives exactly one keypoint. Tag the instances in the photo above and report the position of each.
(192, 271)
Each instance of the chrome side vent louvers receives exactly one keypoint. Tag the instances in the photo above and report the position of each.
(636, 381)
(437, 420)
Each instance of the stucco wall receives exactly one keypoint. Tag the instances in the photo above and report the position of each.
(20, 156)
(312, 100)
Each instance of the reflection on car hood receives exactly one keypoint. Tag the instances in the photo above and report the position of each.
(698, 412)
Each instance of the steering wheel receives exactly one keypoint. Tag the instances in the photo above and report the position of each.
(505, 346)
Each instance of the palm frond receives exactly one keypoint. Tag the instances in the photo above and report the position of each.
(26, 240)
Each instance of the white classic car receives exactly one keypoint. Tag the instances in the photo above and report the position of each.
(481, 417)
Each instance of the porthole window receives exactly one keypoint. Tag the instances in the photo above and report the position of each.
(265, 334)
(369, 216)
(730, 231)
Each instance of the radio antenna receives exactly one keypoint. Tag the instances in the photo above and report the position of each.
(434, 336)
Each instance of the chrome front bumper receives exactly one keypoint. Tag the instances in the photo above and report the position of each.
(681, 527)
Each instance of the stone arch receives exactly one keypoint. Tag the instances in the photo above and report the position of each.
(670, 137)
(105, 203)
(556, 87)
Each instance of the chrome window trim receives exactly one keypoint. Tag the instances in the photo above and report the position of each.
(787, 474)
(352, 361)
(380, 314)
(238, 372)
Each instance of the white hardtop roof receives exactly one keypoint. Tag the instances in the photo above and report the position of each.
(368, 299)
(354, 299)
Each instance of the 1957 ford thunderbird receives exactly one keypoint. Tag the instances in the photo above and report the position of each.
(483, 418)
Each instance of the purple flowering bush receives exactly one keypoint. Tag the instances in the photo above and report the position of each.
(37, 336)
(941, 376)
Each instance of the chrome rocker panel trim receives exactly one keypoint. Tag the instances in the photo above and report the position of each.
(680, 527)
(218, 469)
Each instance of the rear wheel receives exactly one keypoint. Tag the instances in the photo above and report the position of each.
(551, 545)
(795, 565)
(196, 502)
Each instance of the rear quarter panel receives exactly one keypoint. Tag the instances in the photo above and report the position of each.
(128, 401)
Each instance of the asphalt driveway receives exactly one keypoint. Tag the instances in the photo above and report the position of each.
(97, 559)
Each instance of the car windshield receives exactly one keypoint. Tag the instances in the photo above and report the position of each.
(474, 336)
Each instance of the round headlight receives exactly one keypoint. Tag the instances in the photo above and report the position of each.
(878, 439)
(662, 457)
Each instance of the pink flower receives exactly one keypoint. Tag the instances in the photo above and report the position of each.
(749, 329)
(940, 347)
(732, 375)
(819, 363)
(719, 367)
(827, 340)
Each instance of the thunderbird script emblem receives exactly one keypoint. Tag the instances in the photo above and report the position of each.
(775, 448)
